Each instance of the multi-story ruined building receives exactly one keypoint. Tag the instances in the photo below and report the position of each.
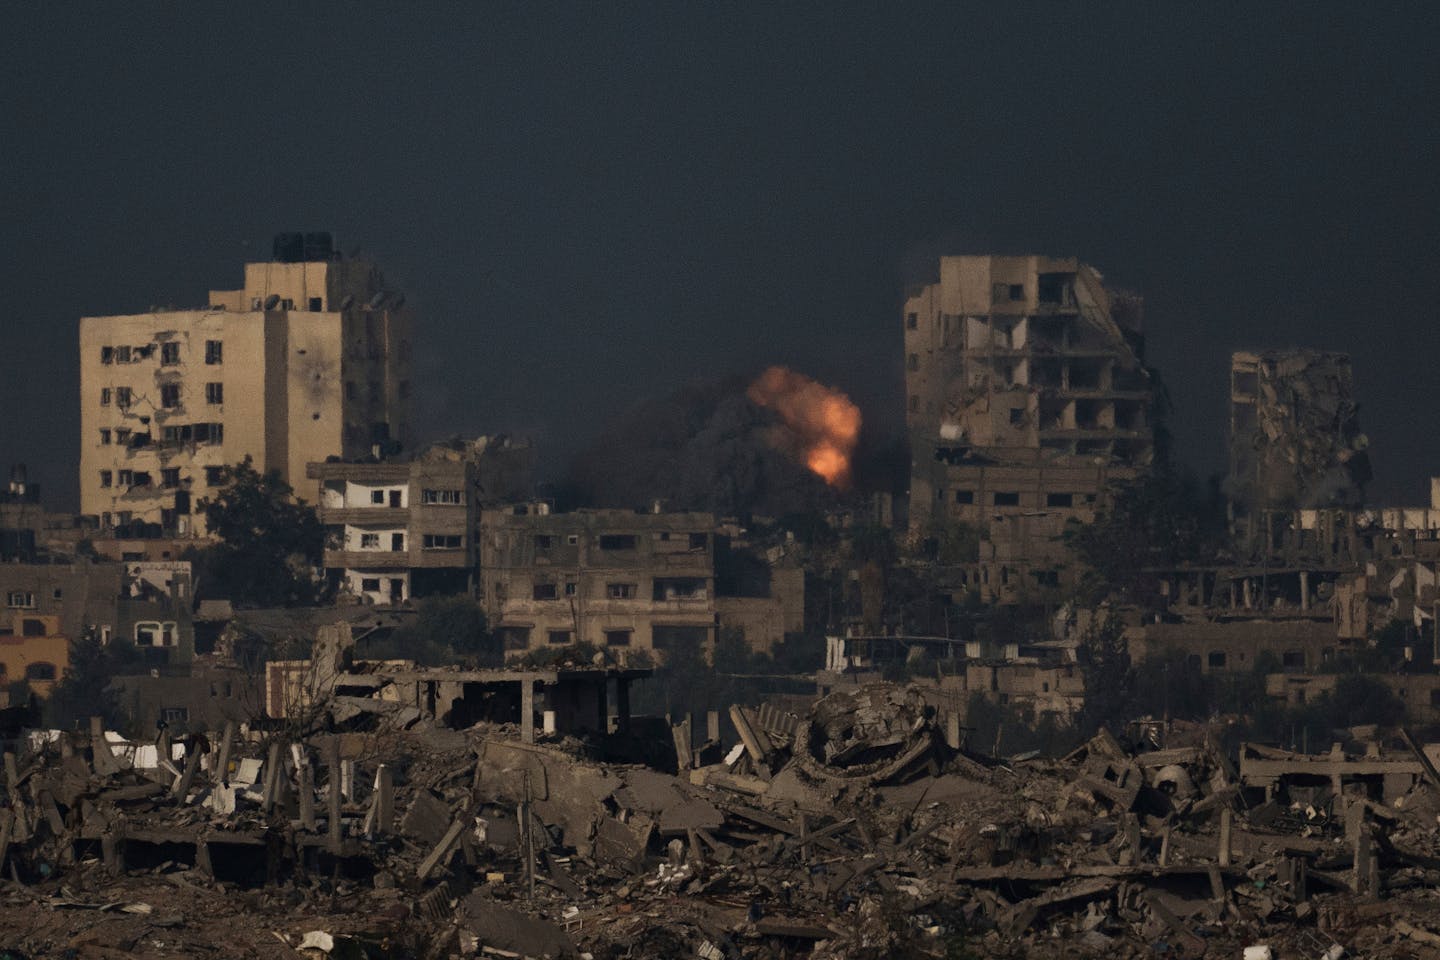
(1026, 397)
(402, 528)
(310, 359)
(627, 581)
(1295, 440)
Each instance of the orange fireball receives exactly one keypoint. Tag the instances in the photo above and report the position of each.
(819, 425)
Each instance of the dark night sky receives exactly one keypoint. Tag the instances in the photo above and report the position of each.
(589, 203)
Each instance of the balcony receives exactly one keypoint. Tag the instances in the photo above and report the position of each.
(369, 514)
(367, 559)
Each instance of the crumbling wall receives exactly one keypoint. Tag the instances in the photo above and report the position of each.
(1295, 439)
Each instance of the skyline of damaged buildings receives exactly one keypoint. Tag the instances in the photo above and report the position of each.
(1027, 404)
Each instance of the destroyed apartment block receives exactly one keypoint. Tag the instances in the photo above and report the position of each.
(1036, 678)
(333, 689)
(852, 827)
(1027, 398)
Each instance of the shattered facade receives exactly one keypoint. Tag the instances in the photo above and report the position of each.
(310, 359)
(1027, 396)
(1295, 440)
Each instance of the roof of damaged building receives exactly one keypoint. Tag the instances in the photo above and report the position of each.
(453, 451)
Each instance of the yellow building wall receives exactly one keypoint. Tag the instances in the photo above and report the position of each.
(284, 373)
(19, 652)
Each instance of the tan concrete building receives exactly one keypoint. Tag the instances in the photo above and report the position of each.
(33, 649)
(406, 528)
(629, 581)
(1026, 396)
(309, 359)
(1420, 692)
(1225, 647)
(613, 578)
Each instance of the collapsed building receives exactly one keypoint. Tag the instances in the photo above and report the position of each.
(1027, 396)
(862, 825)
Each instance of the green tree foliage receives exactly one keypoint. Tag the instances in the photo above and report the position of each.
(270, 544)
(445, 631)
(85, 691)
(1109, 680)
(1360, 700)
(872, 543)
(950, 542)
(1158, 521)
(1168, 686)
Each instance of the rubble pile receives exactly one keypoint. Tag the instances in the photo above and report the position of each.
(859, 830)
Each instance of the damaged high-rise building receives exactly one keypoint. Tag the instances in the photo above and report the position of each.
(1295, 439)
(309, 360)
(1027, 396)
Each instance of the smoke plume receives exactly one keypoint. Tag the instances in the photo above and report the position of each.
(819, 425)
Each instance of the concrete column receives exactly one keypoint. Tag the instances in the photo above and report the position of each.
(307, 797)
(1249, 594)
(220, 773)
(384, 801)
(527, 711)
(1366, 880)
(112, 850)
(602, 718)
(712, 726)
(272, 777)
(1304, 590)
(335, 777)
(181, 787)
(1225, 827)
(98, 746)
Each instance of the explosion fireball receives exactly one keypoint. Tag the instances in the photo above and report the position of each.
(819, 425)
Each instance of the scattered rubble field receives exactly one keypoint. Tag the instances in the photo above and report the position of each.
(858, 830)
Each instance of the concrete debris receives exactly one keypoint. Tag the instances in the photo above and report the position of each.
(853, 830)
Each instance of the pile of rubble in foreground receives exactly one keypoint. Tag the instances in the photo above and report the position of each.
(855, 831)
